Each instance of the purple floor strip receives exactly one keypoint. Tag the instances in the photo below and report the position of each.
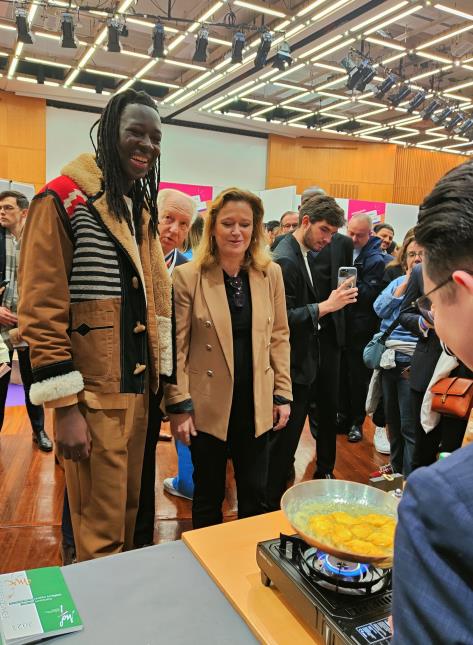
(15, 396)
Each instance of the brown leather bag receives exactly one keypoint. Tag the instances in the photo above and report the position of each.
(453, 396)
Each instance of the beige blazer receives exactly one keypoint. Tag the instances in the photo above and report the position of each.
(204, 346)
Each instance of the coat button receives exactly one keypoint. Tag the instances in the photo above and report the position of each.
(208, 323)
(139, 328)
(210, 373)
(208, 348)
(139, 369)
(135, 282)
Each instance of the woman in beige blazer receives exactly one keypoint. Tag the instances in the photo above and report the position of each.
(233, 375)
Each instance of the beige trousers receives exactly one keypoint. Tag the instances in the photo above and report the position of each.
(104, 490)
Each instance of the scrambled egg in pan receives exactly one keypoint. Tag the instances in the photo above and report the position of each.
(371, 534)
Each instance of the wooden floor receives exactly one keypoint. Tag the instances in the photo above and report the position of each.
(32, 485)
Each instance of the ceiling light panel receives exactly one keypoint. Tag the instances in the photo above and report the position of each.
(259, 8)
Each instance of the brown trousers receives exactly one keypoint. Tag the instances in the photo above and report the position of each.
(104, 490)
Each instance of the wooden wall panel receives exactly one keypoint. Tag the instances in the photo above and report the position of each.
(342, 168)
(23, 139)
(418, 170)
(356, 170)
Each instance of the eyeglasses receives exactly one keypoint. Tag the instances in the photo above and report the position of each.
(416, 254)
(424, 303)
(289, 227)
(238, 297)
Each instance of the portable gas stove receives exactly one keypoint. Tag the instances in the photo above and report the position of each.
(344, 602)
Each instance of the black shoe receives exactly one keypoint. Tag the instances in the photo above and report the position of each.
(44, 442)
(323, 476)
(355, 434)
(68, 554)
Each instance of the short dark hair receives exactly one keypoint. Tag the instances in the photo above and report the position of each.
(322, 208)
(445, 224)
(379, 227)
(286, 213)
(270, 226)
(21, 200)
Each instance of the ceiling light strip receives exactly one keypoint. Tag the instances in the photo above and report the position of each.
(397, 18)
(259, 8)
(387, 12)
(333, 49)
(321, 46)
(446, 36)
(310, 7)
(386, 43)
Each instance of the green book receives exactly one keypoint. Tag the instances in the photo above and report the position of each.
(35, 605)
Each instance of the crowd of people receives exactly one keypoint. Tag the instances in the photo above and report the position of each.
(238, 332)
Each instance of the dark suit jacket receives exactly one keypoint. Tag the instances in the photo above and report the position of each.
(180, 258)
(302, 311)
(2, 253)
(428, 348)
(339, 253)
(361, 318)
(433, 555)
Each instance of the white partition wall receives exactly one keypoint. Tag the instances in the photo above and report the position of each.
(190, 155)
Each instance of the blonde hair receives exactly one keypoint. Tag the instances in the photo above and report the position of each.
(256, 255)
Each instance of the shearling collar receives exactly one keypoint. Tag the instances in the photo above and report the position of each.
(83, 170)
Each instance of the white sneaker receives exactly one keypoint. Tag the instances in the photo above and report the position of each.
(381, 441)
(169, 488)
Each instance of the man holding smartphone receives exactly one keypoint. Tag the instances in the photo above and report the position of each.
(319, 219)
(13, 210)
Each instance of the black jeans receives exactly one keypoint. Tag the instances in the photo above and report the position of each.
(144, 528)
(283, 444)
(250, 464)
(323, 415)
(358, 378)
(399, 417)
(447, 436)
(35, 412)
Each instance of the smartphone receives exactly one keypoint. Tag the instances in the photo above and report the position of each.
(4, 283)
(347, 275)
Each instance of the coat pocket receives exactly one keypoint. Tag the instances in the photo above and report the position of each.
(92, 338)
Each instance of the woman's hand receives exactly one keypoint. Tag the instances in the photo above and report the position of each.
(182, 427)
(281, 414)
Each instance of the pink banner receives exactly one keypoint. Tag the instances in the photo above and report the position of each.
(203, 192)
(376, 210)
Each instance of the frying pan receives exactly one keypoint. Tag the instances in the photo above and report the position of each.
(331, 495)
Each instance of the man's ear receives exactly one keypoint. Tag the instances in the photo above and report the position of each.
(463, 279)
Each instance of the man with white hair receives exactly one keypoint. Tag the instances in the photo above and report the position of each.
(362, 321)
(176, 211)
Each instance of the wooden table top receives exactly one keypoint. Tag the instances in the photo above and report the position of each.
(228, 554)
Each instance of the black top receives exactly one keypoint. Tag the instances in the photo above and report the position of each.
(239, 303)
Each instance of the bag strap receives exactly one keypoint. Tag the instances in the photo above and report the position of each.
(390, 330)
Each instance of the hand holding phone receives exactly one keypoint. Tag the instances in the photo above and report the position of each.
(347, 276)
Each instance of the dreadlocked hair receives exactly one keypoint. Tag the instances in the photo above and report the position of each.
(144, 192)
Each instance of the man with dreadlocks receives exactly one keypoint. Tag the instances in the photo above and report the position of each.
(96, 313)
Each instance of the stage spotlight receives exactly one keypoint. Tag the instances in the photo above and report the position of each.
(358, 75)
(68, 40)
(430, 109)
(283, 57)
(465, 127)
(402, 93)
(263, 49)
(200, 54)
(22, 26)
(454, 121)
(114, 30)
(443, 115)
(157, 46)
(416, 101)
(384, 87)
(238, 45)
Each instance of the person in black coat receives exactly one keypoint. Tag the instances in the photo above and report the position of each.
(362, 322)
(323, 414)
(447, 436)
(319, 218)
